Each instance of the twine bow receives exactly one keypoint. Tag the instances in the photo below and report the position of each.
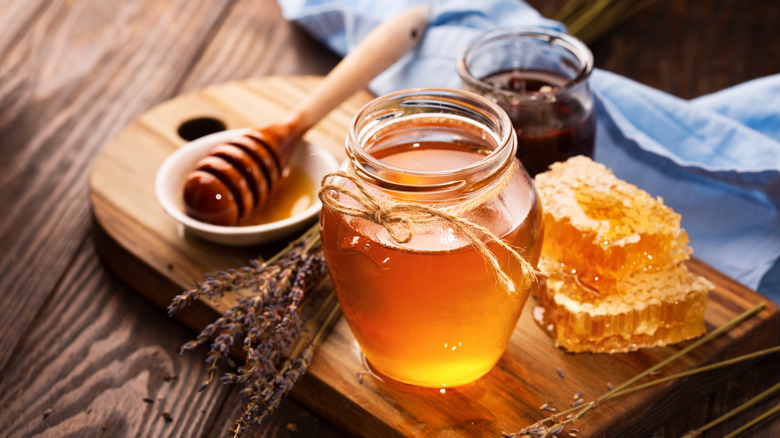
(393, 216)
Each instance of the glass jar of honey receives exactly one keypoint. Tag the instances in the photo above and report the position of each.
(540, 78)
(430, 210)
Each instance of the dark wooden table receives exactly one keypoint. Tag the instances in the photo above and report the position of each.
(83, 355)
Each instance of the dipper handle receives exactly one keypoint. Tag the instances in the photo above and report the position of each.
(237, 177)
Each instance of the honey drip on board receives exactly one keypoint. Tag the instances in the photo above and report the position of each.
(294, 194)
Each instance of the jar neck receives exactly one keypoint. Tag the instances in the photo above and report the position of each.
(443, 124)
(526, 49)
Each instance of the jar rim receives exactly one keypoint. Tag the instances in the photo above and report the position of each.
(387, 109)
(570, 43)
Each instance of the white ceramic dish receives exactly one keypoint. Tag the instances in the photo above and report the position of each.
(313, 160)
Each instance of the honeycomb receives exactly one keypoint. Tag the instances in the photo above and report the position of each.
(602, 228)
(665, 307)
(614, 257)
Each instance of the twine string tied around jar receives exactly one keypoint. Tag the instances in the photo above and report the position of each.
(399, 218)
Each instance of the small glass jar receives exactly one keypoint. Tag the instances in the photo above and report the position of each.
(423, 303)
(540, 78)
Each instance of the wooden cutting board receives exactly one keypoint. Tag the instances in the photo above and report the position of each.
(147, 249)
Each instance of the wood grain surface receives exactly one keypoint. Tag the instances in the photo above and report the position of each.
(76, 73)
(338, 385)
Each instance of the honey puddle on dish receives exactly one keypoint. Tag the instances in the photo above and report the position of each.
(294, 194)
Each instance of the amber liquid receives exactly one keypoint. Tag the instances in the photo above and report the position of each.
(428, 313)
(294, 193)
(547, 132)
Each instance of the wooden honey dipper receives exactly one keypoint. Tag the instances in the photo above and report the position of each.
(237, 176)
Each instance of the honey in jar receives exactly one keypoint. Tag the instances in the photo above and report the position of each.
(540, 78)
(424, 304)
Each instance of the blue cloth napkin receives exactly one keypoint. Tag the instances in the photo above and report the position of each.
(715, 159)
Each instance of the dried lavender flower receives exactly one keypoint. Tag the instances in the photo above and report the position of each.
(265, 322)
(631, 385)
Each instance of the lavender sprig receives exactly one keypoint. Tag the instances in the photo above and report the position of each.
(558, 421)
(265, 322)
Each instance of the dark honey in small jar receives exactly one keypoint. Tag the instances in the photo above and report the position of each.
(540, 78)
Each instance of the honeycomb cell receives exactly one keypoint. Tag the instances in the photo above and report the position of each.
(614, 258)
(604, 229)
(664, 307)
